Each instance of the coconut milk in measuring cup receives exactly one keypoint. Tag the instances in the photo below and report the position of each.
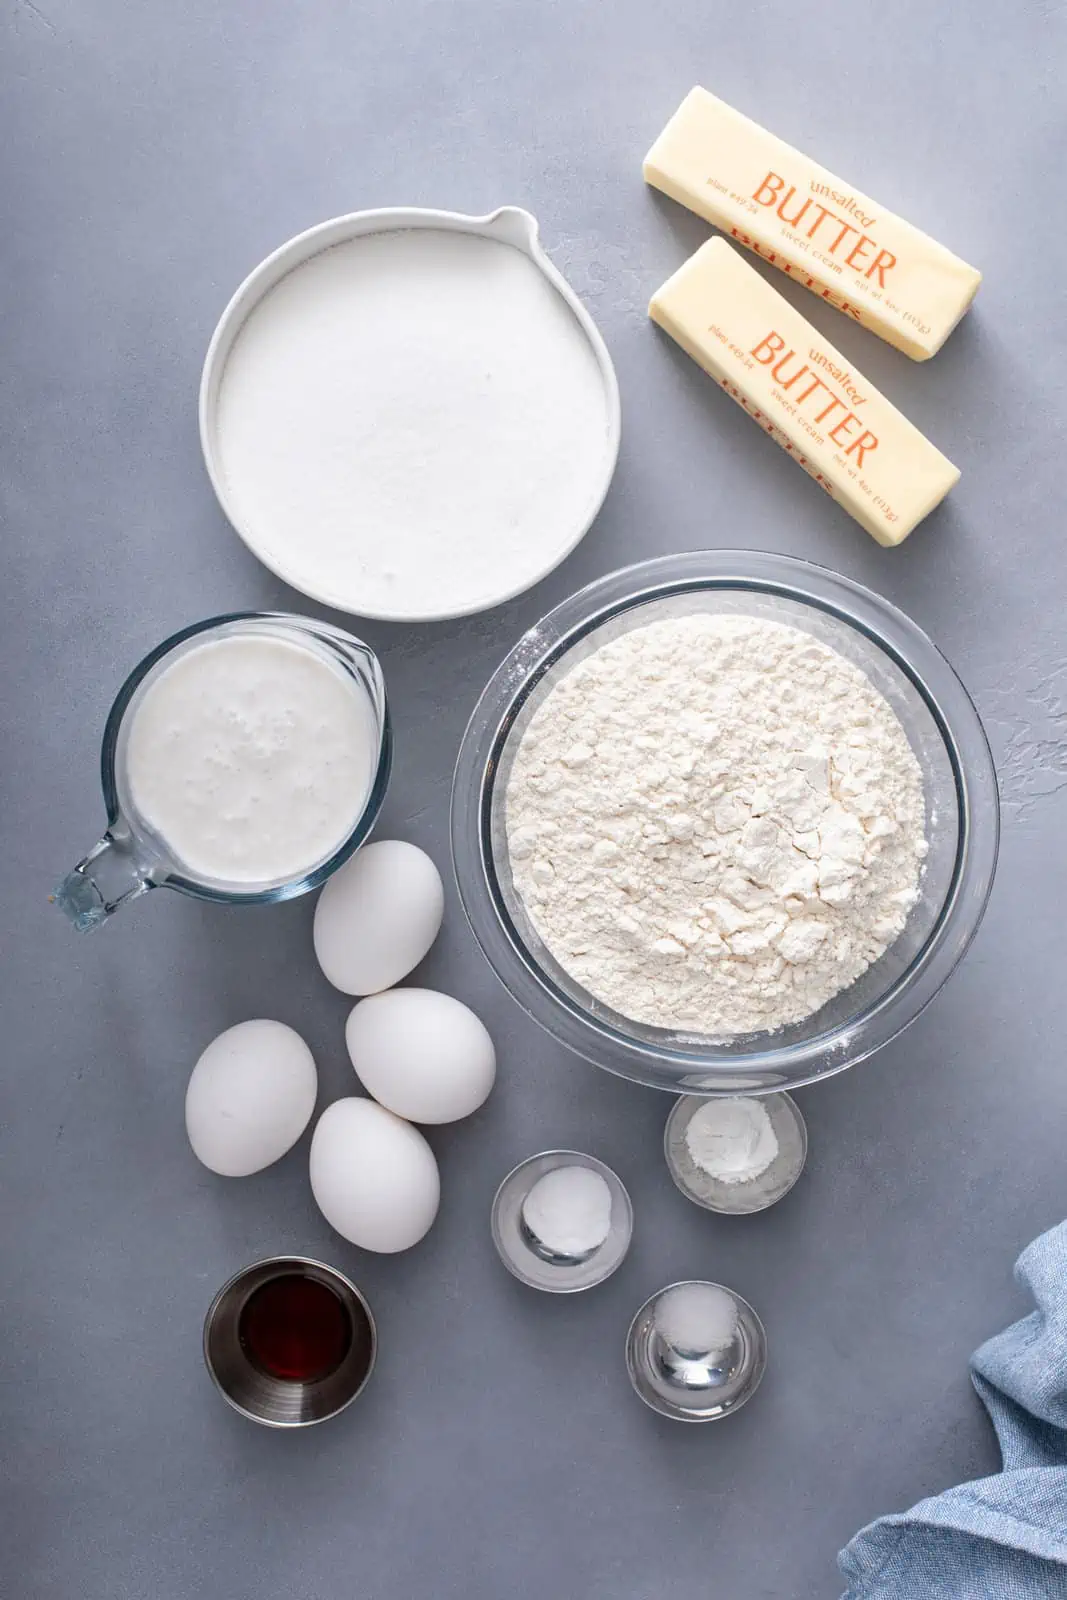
(243, 761)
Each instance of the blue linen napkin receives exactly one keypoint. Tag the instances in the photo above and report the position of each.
(1005, 1537)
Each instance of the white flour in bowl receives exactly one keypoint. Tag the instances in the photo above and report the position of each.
(413, 424)
(716, 823)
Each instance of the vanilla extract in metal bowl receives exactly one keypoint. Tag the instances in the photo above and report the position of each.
(289, 1342)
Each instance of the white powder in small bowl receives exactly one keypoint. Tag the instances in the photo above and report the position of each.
(696, 1318)
(569, 1210)
(731, 1140)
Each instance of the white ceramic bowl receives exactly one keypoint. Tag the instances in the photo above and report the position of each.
(508, 226)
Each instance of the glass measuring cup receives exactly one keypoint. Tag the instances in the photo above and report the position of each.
(132, 858)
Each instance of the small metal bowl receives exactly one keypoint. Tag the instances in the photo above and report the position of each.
(690, 1385)
(751, 1194)
(519, 1251)
(276, 1402)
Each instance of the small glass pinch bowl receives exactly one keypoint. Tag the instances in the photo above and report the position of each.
(962, 819)
(534, 1264)
(737, 1199)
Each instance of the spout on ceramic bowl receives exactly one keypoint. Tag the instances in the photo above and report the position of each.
(512, 225)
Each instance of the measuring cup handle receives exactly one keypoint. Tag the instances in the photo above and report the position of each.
(104, 880)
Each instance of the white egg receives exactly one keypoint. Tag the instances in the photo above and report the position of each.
(373, 1176)
(422, 1054)
(378, 916)
(250, 1097)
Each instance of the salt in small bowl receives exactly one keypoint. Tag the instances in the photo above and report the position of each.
(537, 1268)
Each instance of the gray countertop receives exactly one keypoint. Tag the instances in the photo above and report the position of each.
(153, 154)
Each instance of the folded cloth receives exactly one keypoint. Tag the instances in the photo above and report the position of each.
(1005, 1537)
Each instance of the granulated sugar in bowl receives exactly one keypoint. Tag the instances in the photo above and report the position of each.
(724, 821)
(408, 413)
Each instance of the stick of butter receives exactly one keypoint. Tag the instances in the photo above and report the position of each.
(863, 452)
(867, 262)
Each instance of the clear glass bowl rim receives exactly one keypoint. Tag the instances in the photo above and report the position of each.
(676, 1068)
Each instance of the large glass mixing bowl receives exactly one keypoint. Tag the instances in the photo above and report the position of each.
(962, 819)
